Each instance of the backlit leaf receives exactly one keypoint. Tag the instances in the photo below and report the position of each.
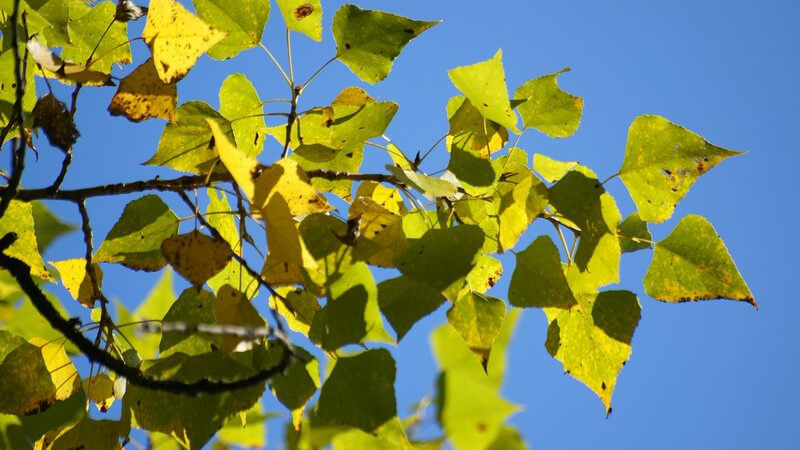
(242, 20)
(547, 108)
(67, 71)
(469, 130)
(100, 390)
(441, 257)
(538, 278)
(142, 95)
(19, 219)
(194, 306)
(662, 161)
(233, 308)
(300, 382)
(693, 264)
(177, 38)
(368, 42)
(359, 392)
(303, 16)
(550, 169)
(249, 431)
(92, 434)
(381, 239)
(300, 311)
(522, 198)
(196, 256)
(52, 116)
(78, 281)
(404, 302)
(630, 230)
(239, 103)
(484, 85)
(233, 273)
(478, 320)
(48, 227)
(187, 143)
(135, 240)
(85, 33)
(8, 91)
(154, 307)
(429, 186)
(593, 340)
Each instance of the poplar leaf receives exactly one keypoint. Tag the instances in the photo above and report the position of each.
(484, 85)
(538, 278)
(550, 169)
(52, 116)
(177, 38)
(662, 161)
(381, 240)
(67, 71)
(233, 308)
(193, 306)
(368, 42)
(692, 264)
(470, 131)
(218, 215)
(478, 320)
(442, 257)
(303, 16)
(404, 302)
(300, 311)
(135, 240)
(547, 108)
(249, 432)
(100, 390)
(429, 186)
(84, 35)
(77, 280)
(239, 103)
(92, 434)
(187, 144)
(19, 219)
(243, 22)
(196, 256)
(142, 95)
(359, 392)
(47, 226)
(8, 91)
(522, 198)
(633, 227)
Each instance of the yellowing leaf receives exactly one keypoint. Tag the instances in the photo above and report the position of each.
(142, 95)
(381, 239)
(193, 307)
(547, 108)
(662, 161)
(242, 20)
(66, 71)
(233, 308)
(54, 118)
(383, 196)
(484, 85)
(196, 256)
(177, 38)
(77, 280)
(100, 390)
(303, 16)
(19, 219)
(85, 33)
(300, 311)
(470, 131)
(550, 169)
(478, 320)
(522, 198)
(693, 264)
(538, 278)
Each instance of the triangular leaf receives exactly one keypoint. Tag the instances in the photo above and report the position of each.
(538, 278)
(303, 16)
(547, 108)
(242, 20)
(142, 95)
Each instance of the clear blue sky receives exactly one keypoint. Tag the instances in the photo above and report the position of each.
(710, 375)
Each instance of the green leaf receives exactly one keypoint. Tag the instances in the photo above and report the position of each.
(242, 20)
(478, 320)
(47, 226)
(550, 169)
(321, 233)
(85, 33)
(187, 144)
(693, 264)
(470, 410)
(580, 198)
(404, 302)
(359, 392)
(92, 434)
(195, 419)
(390, 435)
(662, 161)
(469, 130)
(351, 315)
(135, 240)
(234, 308)
(302, 308)
(303, 16)
(239, 103)
(47, 17)
(194, 306)
(593, 340)
(538, 279)
(481, 212)
(346, 160)
(297, 385)
(8, 92)
(484, 85)
(29, 323)
(61, 414)
(429, 186)
(442, 257)
(633, 227)
(522, 198)
(507, 439)
(18, 218)
(547, 108)
(368, 42)
(233, 274)
(249, 432)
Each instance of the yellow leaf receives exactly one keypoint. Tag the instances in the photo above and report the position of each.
(195, 256)
(388, 198)
(177, 38)
(63, 373)
(77, 280)
(142, 95)
(382, 239)
(299, 308)
(233, 308)
(278, 273)
(100, 390)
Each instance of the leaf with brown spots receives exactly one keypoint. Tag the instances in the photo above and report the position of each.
(100, 391)
(692, 264)
(52, 116)
(662, 161)
(196, 256)
(303, 16)
(177, 38)
(234, 308)
(142, 95)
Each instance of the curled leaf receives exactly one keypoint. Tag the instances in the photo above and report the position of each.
(51, 115)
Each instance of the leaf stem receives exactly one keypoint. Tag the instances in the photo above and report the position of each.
(305, 85)
(277, 64)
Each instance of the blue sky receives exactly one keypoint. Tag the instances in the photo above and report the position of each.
(709, 375)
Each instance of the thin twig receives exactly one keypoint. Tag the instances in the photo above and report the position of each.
(277, 64)
(319, 71)
(289, 53)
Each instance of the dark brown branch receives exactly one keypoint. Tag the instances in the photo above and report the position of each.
(22, 273)
(90, 268)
